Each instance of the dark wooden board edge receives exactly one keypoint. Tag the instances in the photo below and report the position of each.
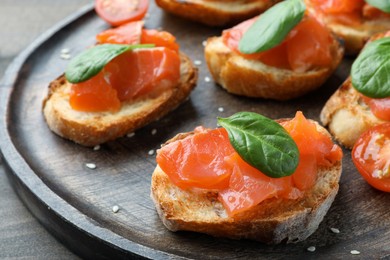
(72, 228)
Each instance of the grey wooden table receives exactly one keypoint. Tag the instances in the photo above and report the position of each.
(21, 21)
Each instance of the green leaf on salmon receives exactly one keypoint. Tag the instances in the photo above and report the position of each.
(263, 143)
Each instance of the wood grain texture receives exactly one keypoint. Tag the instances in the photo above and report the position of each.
(21, 235)
(75, 201)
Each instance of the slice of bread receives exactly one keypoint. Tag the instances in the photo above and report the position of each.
(216, 12)
(347, 116)
(253, 78)
(93, 128)
(354, 36)
(273, 221)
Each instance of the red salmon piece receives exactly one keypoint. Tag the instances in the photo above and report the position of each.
(198, 161)
(129, 33)
(94, 95)
(136, 73)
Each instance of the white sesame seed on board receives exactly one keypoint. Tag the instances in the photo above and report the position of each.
(204, 43)
(65, 51)
(221, 109)
(154, 131)
(91, 165)
(65, 56)
(311, 248)
(115, 208)
(151, 152)
(355, 252)
(197, 62)
(335, 230)
(96, 147)
(207, 79)
(129, 135)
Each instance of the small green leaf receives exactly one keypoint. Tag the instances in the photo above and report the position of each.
(272, 26)
(370, 72)
(383, 5)
(263, 143)
(90, 62)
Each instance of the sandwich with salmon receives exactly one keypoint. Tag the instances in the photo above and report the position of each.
(355, 21)
(253, 178)
(216, 12)
(363, 100)
(282, 54)
(131, 78)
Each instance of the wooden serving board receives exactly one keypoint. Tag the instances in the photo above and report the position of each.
(75, 203)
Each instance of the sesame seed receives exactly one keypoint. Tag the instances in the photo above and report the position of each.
(154, 131)
(91, 165)
(129, 135)
(96, 147)
(204, 43)
(335, 230)
(65, 51)
(207, 79)
(311, 248)
(220, 109)
(355, 252)
(198, 62)
(115, 208)
(151, 152)
(65, 56)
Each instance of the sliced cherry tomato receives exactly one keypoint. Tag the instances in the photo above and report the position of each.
(118, 12)
(380, 107)
(371, 156)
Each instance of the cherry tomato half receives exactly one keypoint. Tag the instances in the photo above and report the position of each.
(371, 156)
(118, 12)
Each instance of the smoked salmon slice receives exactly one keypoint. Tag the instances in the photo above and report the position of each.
(306, 47)
(140, 72)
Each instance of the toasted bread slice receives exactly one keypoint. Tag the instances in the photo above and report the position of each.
(273, 221)
(347, 116)
(216, 12)
(354, 36)
(93, 128)
(253, 78)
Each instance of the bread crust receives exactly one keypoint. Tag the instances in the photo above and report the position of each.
(253, 78)
(216, 13)
(93, 128)
(347, 116)
(354, 36)
(273, 221)
(345, 113)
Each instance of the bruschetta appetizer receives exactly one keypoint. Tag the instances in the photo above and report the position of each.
(131, 78)
(363, 100)
(355, 21)
(216, 12)
(254, 178)
(282, 54)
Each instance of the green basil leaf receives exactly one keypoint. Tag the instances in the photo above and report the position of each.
(272, 26)
(370, 72)
(383, 5)
(263, 143)
(90, 62)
